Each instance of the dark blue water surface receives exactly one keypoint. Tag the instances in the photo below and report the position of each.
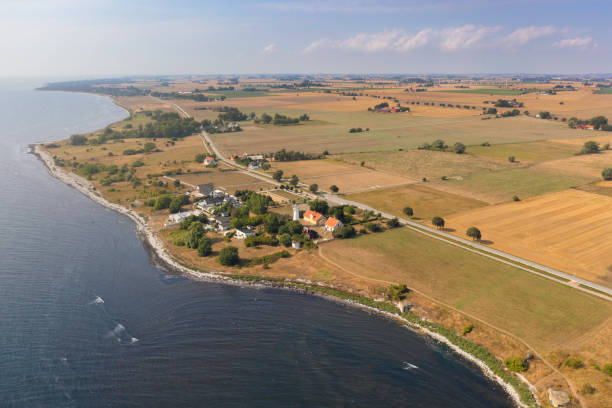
(87, 321)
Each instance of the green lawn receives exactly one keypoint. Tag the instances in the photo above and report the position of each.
(540, 311)
(605, 91)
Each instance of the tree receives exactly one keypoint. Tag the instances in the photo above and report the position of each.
(149, 147)
(175, 205)
(607, 173)
(77, 140)
(393, 223)
(334, 188)
(598, 121)
(438, 222)
(162, 202)
(313, 188)
(200, 157)
(398, 292)
(459, 148)
(177, 183)
(545, 115)
(294, 180)
(511, 159)
(408, 211)
(320, 206)
(204, 246)
(491, 111)
(285, 239)
(474, 233)
(590, 147)
(258, 203)
(373, 227)
(516, 198)
(346, 231)
(228, 256)
(278, 175)
(271, 223)
(516, 363)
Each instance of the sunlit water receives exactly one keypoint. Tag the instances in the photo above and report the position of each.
(87, 321)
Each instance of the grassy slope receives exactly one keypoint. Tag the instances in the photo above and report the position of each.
(489, 91)
(525, 152)
(542, 312)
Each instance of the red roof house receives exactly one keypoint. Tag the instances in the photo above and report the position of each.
(333, 224)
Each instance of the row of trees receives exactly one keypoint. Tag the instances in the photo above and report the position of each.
(598, 123)
(439, 145)
(279, 119)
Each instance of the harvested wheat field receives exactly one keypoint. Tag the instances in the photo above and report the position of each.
(587, 165)
(349, 178)
(568, 230)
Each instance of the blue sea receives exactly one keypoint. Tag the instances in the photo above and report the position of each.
(86, 319)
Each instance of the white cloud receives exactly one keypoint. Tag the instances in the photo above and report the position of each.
(318, 45)
(523, 35)
(467, 36)
(577, 42)
(270, 48)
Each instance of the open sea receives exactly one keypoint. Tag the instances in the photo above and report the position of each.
(87, 321)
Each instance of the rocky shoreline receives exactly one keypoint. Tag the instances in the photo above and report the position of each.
(158, 252)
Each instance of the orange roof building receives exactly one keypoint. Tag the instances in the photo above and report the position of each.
(333, 224)
(313, 217)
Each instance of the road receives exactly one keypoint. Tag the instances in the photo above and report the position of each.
(592, 288)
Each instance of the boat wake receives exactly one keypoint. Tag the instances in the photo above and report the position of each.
(120, 335)
(408, 366)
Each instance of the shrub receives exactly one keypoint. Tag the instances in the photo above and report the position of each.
(590, 147)
(485, 144)
(268, 259)
(587, 389)
(313, 188)
(162, 202)
(175, 205)
(320, 206)
(393, 223)
(373, 227)
(200, 157)
(285, 239)
(516, 363)
(334, 188)
(607, 173)
(511, 159)
(77, 140)
(468, 329)
(574, 362)
(516, 198)
(608, 369)
(408, 211)
(228, 256)
(347, 231)
(256, 240)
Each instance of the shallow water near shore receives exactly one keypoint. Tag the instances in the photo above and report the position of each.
(87, 321)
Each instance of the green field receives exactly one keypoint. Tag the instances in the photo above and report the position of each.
(502, 185)
(525, 152)
(491, 91)
(605, 91)
(541, 312)
(329, 131)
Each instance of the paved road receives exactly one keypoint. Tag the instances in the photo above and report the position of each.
(524, 264)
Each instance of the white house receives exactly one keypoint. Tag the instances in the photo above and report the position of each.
(210, 161)
(332, 224)
(242, 233)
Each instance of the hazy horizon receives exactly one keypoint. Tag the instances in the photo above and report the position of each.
(107, 38)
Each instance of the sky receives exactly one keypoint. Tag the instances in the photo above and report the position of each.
(95, 38)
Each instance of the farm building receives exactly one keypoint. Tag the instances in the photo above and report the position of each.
(333, 224)
(210, 161)
(313, 217)
(180, 217)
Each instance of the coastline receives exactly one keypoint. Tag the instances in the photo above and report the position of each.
(161, 256)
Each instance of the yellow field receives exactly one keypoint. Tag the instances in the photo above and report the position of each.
(569, 230)
(588, 165)
(348, 177)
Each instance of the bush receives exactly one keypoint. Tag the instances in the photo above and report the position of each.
(393, 223)
(334, 188)
(175, 205)
(285, 239)
(468, 329)
(313, 188)
(574, 362)
(320, 206)
(511, 159)
(590, 147)
(268, 259)
(373, 227)
(228, 256)
(256, 240)
(516, 198)
(200, 157)
(408, 211)
(77, 140)
(587, 389)
(607, 173)
(516, 363)
(608, 369)
(347, 231)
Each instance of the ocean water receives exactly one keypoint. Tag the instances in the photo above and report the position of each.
(87, 321)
